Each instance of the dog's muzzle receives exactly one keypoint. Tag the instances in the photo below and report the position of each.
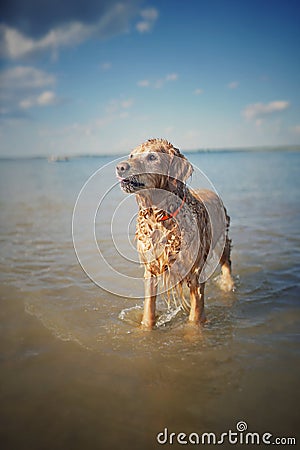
(129, 183)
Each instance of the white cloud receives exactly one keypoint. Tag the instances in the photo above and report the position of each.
(25, 87)
(114, 113)
(143, 26)
(149, 17)
(46, 98)
(15, 45)
(117, 106)
(149, 14)
(26, 103)
(115, 110)
(25, 77)
(172, 77)
(198, 91)
(159, 83)
(233, 85)
(143, 83)
(261, 109)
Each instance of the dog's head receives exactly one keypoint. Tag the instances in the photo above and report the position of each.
(154, 164)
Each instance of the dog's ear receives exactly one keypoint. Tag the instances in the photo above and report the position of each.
(180, 168)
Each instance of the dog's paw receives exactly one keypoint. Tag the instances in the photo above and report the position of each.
(147, 325)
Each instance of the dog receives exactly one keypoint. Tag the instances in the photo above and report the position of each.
(179, 230)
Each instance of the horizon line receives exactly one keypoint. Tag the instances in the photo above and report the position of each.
(235, 149)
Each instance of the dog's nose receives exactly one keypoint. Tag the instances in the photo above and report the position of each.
(122, 168)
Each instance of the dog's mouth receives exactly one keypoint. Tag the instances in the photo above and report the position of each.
(131, 184)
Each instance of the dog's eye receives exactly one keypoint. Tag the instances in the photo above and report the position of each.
(151, 157)
(130, 156)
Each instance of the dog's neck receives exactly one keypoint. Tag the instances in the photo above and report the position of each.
(162, 199)
(177, 187)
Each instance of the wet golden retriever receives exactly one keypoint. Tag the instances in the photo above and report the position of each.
(182, 234)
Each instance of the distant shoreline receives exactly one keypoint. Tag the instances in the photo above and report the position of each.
(69, 157)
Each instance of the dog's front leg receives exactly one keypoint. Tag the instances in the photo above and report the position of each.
(148, 320)
(197, 314)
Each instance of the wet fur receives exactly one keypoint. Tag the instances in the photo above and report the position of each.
(166, 246)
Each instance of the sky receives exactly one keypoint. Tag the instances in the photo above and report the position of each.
(102, 76)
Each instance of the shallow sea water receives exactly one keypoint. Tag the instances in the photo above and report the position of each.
(77, 372)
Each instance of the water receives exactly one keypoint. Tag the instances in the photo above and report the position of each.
(76, 370)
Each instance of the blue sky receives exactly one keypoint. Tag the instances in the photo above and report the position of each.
(89, 77)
